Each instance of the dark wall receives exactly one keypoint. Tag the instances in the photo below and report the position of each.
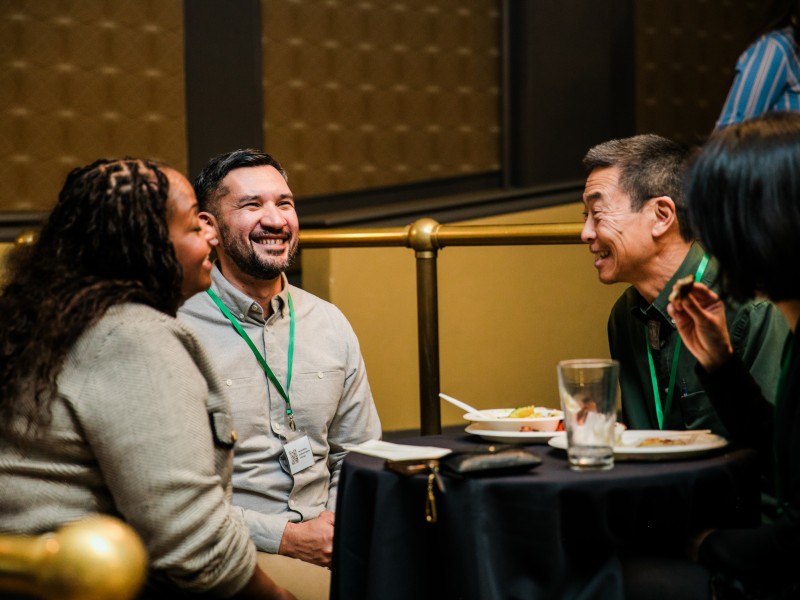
(570, 81)
(224, 100)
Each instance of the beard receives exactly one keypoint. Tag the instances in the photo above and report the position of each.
(248, 262)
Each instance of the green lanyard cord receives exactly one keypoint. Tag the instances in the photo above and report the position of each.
(786, 365)
(673, 371)
(261, 360)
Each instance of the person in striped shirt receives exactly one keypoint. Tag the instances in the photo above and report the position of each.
(767, 73)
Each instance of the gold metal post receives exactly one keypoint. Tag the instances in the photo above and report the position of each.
(420, 238)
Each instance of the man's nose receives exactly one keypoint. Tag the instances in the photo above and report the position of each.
(271, 217)
(587, 233)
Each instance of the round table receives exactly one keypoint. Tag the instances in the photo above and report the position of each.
(548, 533)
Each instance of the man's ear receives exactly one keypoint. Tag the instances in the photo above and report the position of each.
(665, 215)
(208, 220)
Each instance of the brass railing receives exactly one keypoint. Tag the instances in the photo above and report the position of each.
(426, 237)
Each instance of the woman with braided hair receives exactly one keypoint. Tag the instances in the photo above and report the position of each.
(107, 403)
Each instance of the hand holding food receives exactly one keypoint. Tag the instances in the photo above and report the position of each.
(682, 288)
(700, 319)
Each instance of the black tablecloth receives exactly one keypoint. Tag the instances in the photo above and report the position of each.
(550, 533)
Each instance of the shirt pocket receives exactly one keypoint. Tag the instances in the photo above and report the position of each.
(248, 405)
(315, 397)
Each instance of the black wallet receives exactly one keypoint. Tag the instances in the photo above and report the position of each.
(484, 460)
(489, 460)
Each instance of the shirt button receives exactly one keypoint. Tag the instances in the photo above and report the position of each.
(228, 382)
(241, 315)
(292, 504)
(320, 375)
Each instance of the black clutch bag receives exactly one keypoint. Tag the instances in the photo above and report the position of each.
(490, 460)
(484, 460)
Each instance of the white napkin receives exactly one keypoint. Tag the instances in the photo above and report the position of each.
(391, 451)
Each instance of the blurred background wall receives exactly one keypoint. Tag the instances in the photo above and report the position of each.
(382, 113)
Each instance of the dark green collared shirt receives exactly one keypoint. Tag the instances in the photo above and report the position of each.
(757, 331)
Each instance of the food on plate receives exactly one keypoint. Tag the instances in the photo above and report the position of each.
(522, 412)
(657, 441)
(532, 412)
(682, 288)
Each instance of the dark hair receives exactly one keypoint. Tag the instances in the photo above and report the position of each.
(649, 166)
(208, 184)
(743, 193)
(780, 14)
(105, 242)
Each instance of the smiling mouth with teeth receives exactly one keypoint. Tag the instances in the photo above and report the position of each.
(602, 254)
(270, 238)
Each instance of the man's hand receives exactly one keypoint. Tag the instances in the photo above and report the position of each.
(311, 541)
(700, 319)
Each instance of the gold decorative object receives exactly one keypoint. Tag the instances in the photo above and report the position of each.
(97, 558)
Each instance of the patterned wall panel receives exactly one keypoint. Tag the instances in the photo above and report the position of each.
(686, 51)
(362, 93)
(82, 79)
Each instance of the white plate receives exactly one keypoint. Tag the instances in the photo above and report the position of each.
(513, 437)
(699, 442)
(498, 419)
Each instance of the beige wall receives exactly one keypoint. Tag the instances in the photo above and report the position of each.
(507, 315)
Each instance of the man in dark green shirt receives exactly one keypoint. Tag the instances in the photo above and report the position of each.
(635, 227)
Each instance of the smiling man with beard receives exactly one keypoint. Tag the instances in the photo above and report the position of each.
(289, 360)
(636, 229)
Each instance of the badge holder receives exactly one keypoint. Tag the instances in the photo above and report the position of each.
(298, 451)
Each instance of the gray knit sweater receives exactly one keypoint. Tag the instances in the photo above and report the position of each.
(140, 430)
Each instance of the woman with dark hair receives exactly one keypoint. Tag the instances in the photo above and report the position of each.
(107, 403)
(743, 200)
(767, 73)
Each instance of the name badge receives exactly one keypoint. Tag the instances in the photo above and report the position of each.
(653, 334)
(298, 453)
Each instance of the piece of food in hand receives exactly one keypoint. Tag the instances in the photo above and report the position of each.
(522, 412)
(682, 288)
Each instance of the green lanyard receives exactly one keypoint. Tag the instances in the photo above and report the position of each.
(786, 365)
(673, 371)
(261, 360)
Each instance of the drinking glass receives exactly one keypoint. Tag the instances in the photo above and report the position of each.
(588, 390)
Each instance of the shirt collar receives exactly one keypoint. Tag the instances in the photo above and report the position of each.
(658, 309)
(243, 306)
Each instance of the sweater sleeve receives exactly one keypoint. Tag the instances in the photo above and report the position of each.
(741, 406)
(759, 554)
(142, 407)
